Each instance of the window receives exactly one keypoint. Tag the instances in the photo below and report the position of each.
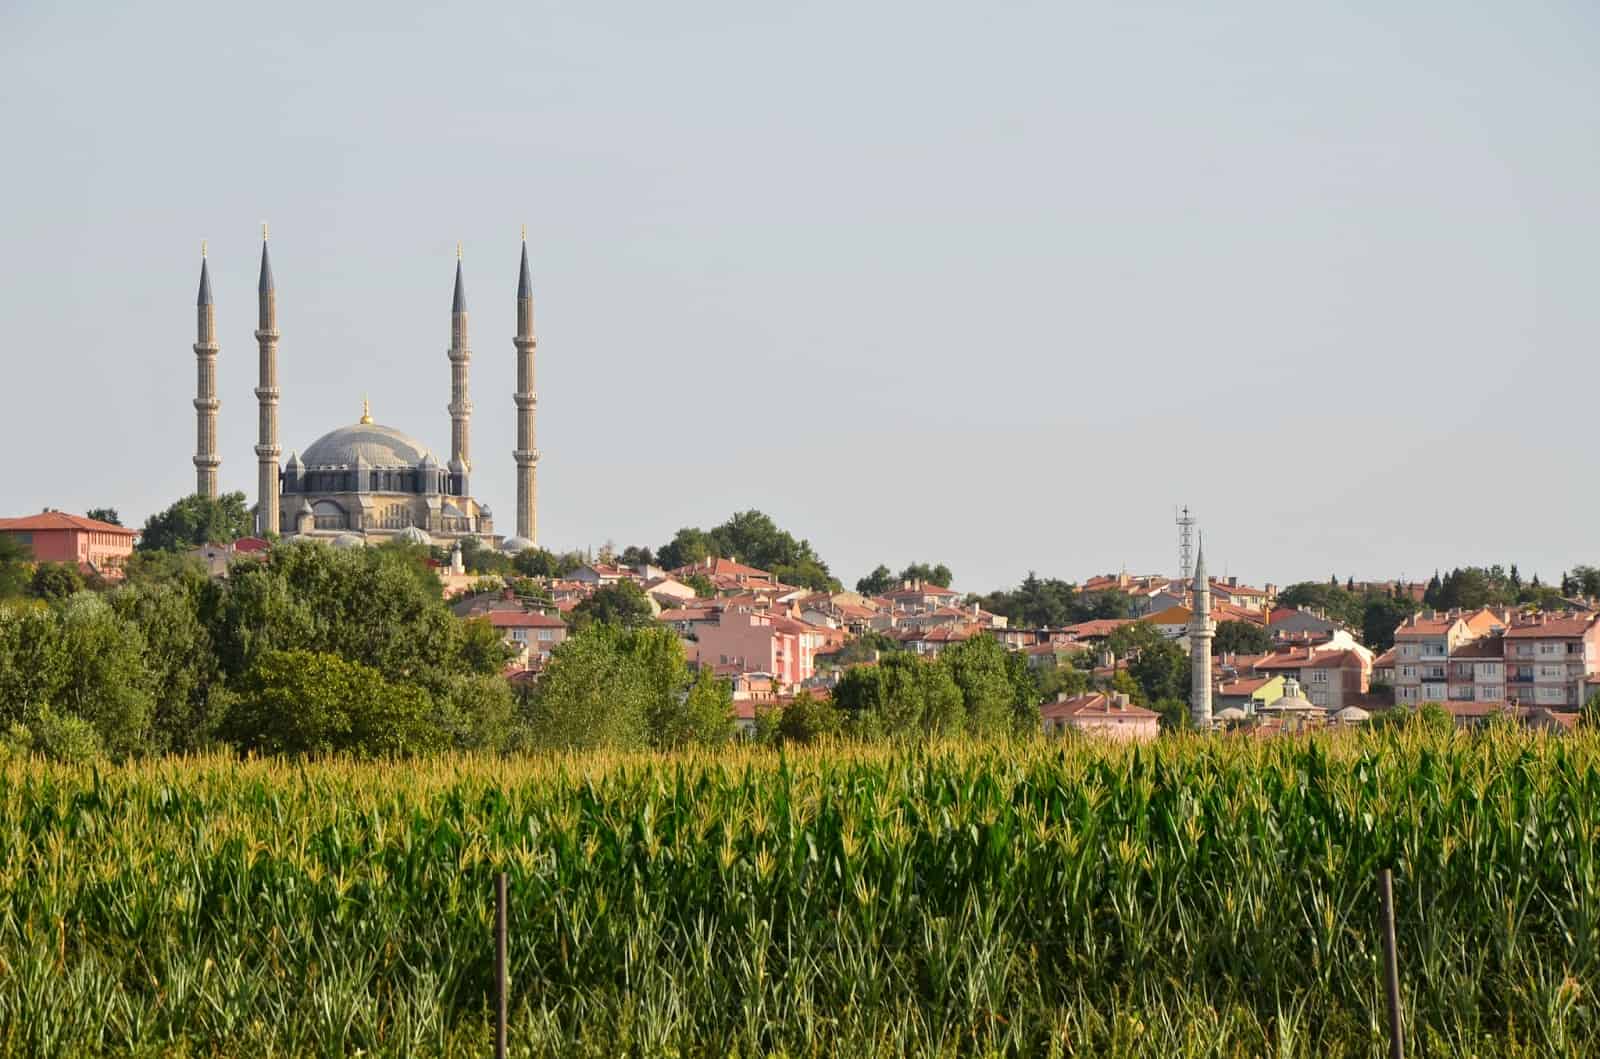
(1549, 648)
(1553, 672)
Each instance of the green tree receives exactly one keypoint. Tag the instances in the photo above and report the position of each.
(593, 694)
(537, 562)
(107, 683)
(310, 702)
(1381, 616)
(901, 697)
(878, 582)
(55, 581)
(476, 712)
(622, 604)
(934, 575)
(476, 559)
(1162, 671)
(14, 559)
(809, 720)
(978, 667)
(179, 657)
(868, 646)
(1339, 605)
(1240, 637)
(705, 717)
(754, 539)
(1025, 693)
(636, 556)
(702, 585)
(197, 520)
(688, 546)
(1037, 602)
(104, 514)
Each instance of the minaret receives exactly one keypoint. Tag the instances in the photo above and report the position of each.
(527, 456)
(460, 403)
(267, 451)
(1200, 633)
(206, 460)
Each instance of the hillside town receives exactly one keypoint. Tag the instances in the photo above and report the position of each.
(1271, 667)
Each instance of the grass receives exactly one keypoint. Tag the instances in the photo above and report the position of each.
(1193, 898)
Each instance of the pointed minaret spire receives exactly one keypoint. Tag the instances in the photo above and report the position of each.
(206, 460)
(526, 455)
(268, 483)
(1200, 634)
(460, 406)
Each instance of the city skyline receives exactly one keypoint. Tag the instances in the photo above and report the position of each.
(983, 323)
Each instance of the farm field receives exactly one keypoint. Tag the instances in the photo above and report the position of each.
(1189, 898)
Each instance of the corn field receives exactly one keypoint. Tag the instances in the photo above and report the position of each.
(1189, 898)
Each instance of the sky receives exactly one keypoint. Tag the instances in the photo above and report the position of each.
(993, 285)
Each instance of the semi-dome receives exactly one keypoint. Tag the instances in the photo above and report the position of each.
(516, 545)
(415, 535)
(349, 540)
(378, 445)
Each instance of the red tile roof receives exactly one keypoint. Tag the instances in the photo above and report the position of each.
(521, 619)
(60, 520)
(1560, 626)
(1094, 704)
(1337, 660)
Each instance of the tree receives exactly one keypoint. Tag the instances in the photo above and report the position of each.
(1240, 637)
(878, 582)
(476, 559)
(1037, 602)
(703, 588)
(868, 646)
(1339, 605)
(104, 514)
(754, 539)
(934, 575)
(809, 720)
(705, 716)
(1025, 693)
(476, 712)
(310, 702)
(1381, 616)
(978, 667)
(635, 556)
(1586, 579)
(902, 697)
(622, 604)
(1127, 641)
(197, 520)
(14, 559)
(537, 562)
(55, 581)
(179, 657)
(593, 694)
(106, 683)
(1162, 672)
(688, 546)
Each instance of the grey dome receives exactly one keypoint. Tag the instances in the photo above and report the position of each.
(414, 535)
(379, 446)
(516, 545)
(349, 540)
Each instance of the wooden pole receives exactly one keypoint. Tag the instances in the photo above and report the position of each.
(500, 901)
(1391, 964)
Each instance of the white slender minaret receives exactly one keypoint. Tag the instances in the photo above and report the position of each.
(526, 455)
(267, 450)
(206, 460)
(1200, 633)
(460, 404)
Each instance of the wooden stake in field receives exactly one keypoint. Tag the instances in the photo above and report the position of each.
(500, 894)
(1391, 963)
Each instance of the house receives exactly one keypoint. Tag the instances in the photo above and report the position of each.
(745, 639)
(531, 634)
(1477, 671)
(913, 597)
(598, 574)
(1173, 622)
(1248, 693)
(94, 547)
(1109, 716)
(1549, 658)
(1423, 643)
(1288, 623)
(1336, 679)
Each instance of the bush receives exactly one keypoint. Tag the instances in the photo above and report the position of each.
(809, 720)
(70, 740)
(305, 702)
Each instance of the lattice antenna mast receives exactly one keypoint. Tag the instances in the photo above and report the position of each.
(1185, 543)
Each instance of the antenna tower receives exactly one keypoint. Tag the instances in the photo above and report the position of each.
(1185, 542)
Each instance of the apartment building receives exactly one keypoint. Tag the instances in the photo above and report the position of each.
(1422, 656)
(1549, 658)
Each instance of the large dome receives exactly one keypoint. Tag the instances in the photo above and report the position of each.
(380, 446)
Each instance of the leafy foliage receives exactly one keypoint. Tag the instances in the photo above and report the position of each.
(623, 604)
(754, 539)
(308, 702)
(104, 514)
(1240, 637)
(197, 520)
(55, 581)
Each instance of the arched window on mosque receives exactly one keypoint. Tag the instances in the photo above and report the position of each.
(329, 516)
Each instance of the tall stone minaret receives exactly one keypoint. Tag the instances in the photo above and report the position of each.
(460, 403)
(206, 460)
(1200, 633)
(527, 456)
(267, 450)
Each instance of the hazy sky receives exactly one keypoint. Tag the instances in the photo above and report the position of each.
(989, 284)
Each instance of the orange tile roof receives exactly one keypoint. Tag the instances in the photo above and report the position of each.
(1560, 626)
(1094, 704)
(60, 520)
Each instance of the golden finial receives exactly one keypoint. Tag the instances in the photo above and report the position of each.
(366, 410)
(263, 231)
(458, 250)
(202, 248)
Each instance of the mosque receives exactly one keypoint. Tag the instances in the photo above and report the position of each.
(369, 482)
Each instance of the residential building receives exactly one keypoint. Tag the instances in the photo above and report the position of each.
(749, 640)
(94, 547)
(1549, 659)
(1336, 679)
(1422, 656)
(1109, 716)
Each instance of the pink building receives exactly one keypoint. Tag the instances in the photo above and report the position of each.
(1112, 716)
(57, 537)
(752, 641)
